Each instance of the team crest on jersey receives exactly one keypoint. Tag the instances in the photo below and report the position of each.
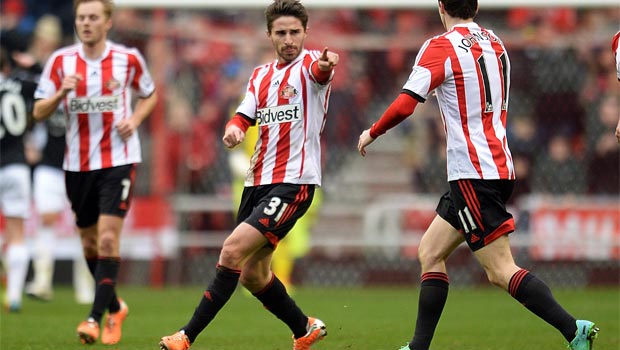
(112, 84)
(288, 92)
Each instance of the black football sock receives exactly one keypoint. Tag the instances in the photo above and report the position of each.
(433, 296)
(213, 299)
(275, 299)
(114, 305)
(105, 277)
(537, 297)
(92, 267)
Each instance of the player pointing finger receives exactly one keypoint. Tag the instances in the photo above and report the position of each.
(328, 60)
(286, 100)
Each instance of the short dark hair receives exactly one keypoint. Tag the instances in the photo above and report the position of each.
(281, 8)
(463, 9)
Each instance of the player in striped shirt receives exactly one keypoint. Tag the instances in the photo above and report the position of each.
(615, 48)
(469, 70)
(92, 81)
(287, 100)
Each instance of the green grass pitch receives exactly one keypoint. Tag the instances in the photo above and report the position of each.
(357, 319)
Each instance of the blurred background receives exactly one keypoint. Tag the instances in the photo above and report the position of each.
(564, 107)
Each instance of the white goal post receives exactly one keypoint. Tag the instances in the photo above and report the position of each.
(223, 4)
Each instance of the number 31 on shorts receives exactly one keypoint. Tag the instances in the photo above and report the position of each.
(272, 208)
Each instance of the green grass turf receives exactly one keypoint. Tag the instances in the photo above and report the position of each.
(357, 319)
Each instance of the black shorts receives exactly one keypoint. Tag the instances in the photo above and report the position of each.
(274, 209)
(104, 191)
(477, 208)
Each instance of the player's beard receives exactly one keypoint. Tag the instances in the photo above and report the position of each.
(288, 53)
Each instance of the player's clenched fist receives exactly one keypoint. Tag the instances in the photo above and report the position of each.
(233, 136)
(70, 82)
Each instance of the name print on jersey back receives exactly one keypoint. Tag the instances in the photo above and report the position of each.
(472, 39)
(278, 114)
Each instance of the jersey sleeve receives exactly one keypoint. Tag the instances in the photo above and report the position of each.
(50, 79)
(429, 70)
(248, 105)
(142, 81)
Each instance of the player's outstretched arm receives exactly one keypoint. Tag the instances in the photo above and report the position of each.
(402, 107)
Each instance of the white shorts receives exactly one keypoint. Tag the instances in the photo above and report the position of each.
(15, 190)
(50, 195)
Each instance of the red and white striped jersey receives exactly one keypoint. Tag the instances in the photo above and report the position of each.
(469, 70)
(101, 100)
(290, 110)
(616, 50)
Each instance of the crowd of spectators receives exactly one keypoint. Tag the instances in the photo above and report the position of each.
(564, 98)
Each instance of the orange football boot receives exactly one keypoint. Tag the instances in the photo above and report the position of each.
(177, 341)
(88, 331)
(316, 331)
(113, 324)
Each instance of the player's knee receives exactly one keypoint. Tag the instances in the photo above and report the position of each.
(108, 244)
(230, 257)
(89, 245)
(429, 257)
